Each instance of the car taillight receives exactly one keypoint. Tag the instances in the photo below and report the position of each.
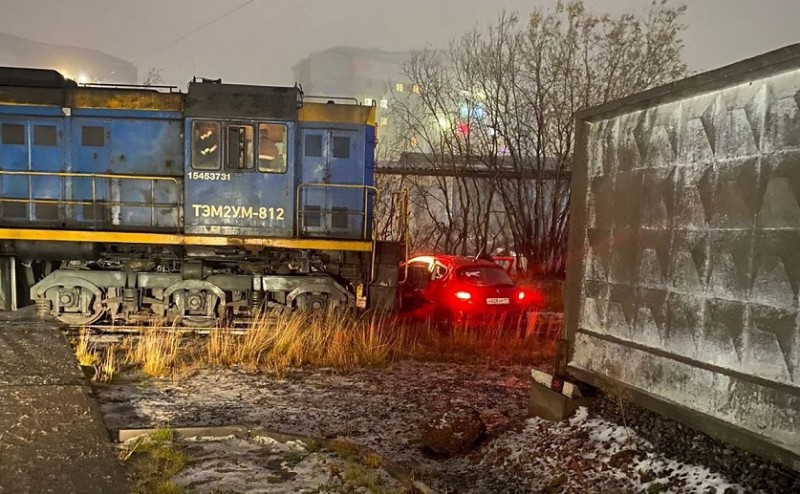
(463, 295)
(521, 295)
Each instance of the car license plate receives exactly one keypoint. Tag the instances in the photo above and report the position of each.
(497, 301)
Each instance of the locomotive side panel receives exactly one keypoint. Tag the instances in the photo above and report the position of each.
(32, 155)
(106, 159)
(335, 191)
(124, 172)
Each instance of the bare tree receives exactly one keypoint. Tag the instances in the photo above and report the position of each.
(503, 101)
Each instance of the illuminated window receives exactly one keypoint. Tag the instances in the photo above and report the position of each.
(205, 145)
(415, 88)
(384, 121)
(384, 103)
(272, 148)
(399, 87)
(240, 147)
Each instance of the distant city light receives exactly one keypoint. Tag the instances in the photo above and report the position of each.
(444, 123)
(471, 111)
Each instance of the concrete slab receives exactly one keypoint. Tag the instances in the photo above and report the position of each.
(35, 353)
(52, 437)
(57, 472)
(60, 416)
(552, 405)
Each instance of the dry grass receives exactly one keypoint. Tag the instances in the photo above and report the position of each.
(85, 350)
(340, 341)
(551, 291)
(330, 340)
(104, 370)
(528, 341)
(103, 360)
(155, 350)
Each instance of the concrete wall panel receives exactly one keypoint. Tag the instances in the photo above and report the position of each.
(685, 237)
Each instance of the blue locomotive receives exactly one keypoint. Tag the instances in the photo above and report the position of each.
(122, 204)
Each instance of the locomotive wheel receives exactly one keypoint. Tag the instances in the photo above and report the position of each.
(195, 303)
(314, 303)
(75, 301)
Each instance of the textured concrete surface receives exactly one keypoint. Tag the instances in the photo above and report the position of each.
(686, 208)
(52, 438)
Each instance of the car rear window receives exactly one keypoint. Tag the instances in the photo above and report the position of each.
(484, 275)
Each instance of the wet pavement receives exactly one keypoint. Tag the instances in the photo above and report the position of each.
(52, 438)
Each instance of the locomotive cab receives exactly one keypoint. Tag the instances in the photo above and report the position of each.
(240, 142)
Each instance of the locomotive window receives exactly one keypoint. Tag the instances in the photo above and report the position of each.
(312, 216)
(272, 148)
(339, 217)
(93, 136)
(205, 145)
(13, 134)
(313, 145)
(240, 147)
(341, 147)
(44, 135)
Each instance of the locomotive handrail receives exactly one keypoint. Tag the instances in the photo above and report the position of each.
(331, 98)
(172, 89)
(366, 188)
(95, 175)
(152, 204)
(401, 197)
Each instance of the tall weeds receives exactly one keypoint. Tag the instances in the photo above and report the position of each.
(335, 340)
(505, 341)
(104, 370)
(155, 350)
(85, 350)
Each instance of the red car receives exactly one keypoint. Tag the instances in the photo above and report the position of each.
(460, 289)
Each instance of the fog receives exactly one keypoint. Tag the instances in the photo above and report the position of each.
(258, 41)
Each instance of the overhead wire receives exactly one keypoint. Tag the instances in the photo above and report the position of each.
(199, 28)
(186, 35)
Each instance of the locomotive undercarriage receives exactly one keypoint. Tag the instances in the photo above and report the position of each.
(196, 287)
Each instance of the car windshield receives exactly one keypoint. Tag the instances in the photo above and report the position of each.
(483, 275)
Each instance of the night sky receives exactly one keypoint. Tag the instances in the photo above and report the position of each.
(259, 42)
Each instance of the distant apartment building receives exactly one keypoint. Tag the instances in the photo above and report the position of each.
(80, 64)
(371, 76)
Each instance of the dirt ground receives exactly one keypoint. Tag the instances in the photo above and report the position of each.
(382, 409)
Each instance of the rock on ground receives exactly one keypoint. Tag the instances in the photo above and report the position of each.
(454, 431)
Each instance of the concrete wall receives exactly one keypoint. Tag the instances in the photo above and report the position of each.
(686, 244)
